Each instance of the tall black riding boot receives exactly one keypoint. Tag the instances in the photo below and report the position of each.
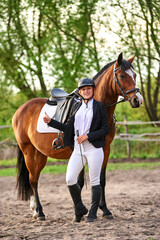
(96, 196)
(80, 209)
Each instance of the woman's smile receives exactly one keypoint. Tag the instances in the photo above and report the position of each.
(86, 92)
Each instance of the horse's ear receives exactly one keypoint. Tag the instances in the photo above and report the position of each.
(120, 58)
(131, 59)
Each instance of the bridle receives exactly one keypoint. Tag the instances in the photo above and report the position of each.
(124, 93)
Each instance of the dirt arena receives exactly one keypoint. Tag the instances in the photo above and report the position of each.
(133, 197)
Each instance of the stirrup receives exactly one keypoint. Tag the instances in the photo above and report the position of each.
(58, 142)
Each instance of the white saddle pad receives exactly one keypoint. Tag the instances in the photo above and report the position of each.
(42, 127)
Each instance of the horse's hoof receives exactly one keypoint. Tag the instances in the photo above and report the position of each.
(41, 218)
(35, 215)
(108, 216)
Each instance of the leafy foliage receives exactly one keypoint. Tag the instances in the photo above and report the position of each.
(54, 43)
(47, 43)
(138, 31)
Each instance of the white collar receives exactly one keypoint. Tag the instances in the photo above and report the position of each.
(89, 104)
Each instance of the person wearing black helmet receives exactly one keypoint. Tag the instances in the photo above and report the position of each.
(87, 127)
(86, 82)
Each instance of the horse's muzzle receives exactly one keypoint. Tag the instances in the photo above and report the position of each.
(136, 101)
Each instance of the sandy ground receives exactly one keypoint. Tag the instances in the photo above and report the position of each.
(132, 196)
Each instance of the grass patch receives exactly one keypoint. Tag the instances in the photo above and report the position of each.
(59, 169)
(8, 172)
(13, 161)
(132, 166)
(138, 149)
(55, 169)
(52, 160)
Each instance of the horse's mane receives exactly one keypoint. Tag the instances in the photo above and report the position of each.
(102, 70)
(124, 66)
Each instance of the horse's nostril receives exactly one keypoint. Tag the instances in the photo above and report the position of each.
(136, 102)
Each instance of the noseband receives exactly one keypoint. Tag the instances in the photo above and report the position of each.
(124, 93)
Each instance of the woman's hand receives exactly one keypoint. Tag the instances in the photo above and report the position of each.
(46, 118)
(82, 138)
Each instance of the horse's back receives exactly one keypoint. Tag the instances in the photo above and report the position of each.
(25, 114)
(29, 107)
(24, 123)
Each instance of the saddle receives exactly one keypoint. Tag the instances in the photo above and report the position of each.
(57, 95)
(67, 104)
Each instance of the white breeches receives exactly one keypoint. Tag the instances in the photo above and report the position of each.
(91, 155)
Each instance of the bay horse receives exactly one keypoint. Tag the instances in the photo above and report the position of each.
(115, 79)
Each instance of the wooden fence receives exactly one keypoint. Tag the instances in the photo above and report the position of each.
(152, 137)
(137, 137)
(2, 127)
(6, 141)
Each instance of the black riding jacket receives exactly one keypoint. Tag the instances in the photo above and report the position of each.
(98, 130)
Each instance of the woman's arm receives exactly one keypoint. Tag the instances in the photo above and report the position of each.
(53, 123)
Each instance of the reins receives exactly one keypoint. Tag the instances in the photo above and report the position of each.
(110, 105)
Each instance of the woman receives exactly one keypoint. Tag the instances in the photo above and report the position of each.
(91, 122)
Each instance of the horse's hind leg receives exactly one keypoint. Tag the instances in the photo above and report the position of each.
(39, 163)
(35, 162)
(33, 206)
(38, 212)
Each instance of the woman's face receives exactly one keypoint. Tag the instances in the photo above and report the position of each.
(86, 92)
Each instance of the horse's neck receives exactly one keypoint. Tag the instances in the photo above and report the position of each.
(105, 91)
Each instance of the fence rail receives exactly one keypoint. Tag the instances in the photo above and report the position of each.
(139, 137)
(136, 137)
(6, 141)
(137, 123)
(2, 127)
(123, 136)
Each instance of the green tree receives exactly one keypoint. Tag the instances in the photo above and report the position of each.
(47, 43)
(138, 31)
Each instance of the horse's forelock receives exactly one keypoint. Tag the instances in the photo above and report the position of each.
(126, 65)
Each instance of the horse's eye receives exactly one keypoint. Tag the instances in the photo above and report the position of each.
(122, 76)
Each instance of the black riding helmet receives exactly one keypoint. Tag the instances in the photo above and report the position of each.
(86, 82)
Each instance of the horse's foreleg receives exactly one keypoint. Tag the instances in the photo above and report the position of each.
(103, 205)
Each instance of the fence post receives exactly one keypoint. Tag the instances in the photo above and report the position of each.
(127, 141)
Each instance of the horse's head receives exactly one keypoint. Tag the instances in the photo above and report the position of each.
(125, 81)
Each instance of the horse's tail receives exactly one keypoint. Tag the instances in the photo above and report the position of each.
(23, 184)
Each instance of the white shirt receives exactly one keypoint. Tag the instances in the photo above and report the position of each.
(83, 118)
